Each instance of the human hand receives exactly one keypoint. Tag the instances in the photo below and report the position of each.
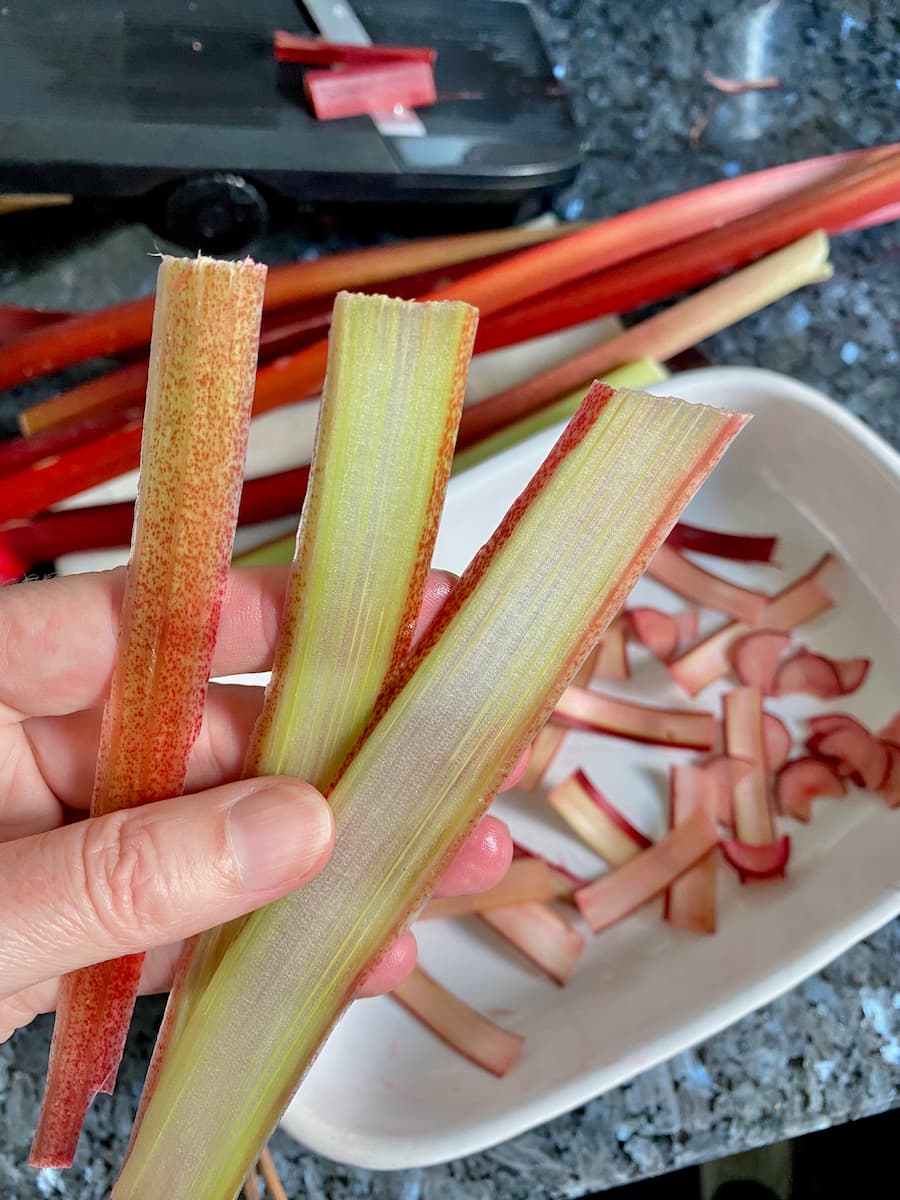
(75, 892)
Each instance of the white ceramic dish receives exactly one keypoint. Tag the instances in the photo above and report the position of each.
(385, 1093)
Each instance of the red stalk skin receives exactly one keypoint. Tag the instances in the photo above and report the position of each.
(20, 453)
(293, 48)
(106, 526)
(17, 319)
(612, 241)
(739, 547)
(139, 763)
(12, 568)
(803, 780)
(609, 809)
(830, 205)
(108, 395)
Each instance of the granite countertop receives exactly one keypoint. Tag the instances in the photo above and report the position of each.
(828, 1051)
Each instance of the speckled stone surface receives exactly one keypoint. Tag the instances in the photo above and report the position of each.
(830, 1050)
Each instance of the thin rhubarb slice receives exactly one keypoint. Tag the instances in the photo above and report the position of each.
(542, 934)
(743, 725)
(684, 577)
(202, 364)
(456, 1023)
(377, 88)
(390, 408)
(891, 731)
(543, 751)
(483, 679)
(739, 547)
(614, 896)
(803, 780)
(691, 899)
(527, 879)
(800, 601)
(777, 742)
(656, 630)
(857, 754)
(851, 672)
(809, 674)
(756, 657)
(611, 659)
(579, 708)
(596, 820)
(752, 861)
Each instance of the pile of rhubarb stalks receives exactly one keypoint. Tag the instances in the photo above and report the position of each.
(728, 810)
(526, 283)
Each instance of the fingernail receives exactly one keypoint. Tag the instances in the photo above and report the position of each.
(279, 834)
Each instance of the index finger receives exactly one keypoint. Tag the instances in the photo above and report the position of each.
(58, 636)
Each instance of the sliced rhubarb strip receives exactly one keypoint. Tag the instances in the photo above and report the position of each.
(522, 851)
(743, 725)
(543, 751)
(17, 319)
(803, 780)
(691, 899)
(200, 387)
(656, 630)
(579, 708)
(476, 688)
(809, 674)
(456, 1023)
(616, 895)
(596, 820)
(857, 754)
(680, 575)
(756, 657)
(611, 659)
(890, 785)
(776, 742)
(357, 91)
(739, 547)
(753, 861)
(542, 934)
(527, 879)
(800, 601)
(661, 336)
(725, 772)
(292, 48)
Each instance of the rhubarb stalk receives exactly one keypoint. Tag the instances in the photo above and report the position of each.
(472, 695)
(202, 362)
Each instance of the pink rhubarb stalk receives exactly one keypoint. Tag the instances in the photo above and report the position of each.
(744, 739)
(684, 577)
(691, 899)
(596, 820)
(542, 934)
(579, 708)
(202, 363)
(526, 879)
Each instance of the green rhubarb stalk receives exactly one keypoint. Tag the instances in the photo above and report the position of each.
(390, 410)
(199, 394)
(472, 695)
(639, 374)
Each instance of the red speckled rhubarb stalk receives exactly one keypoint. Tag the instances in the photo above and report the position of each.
(470, 698)
(202, 363)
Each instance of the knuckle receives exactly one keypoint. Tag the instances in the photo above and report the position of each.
(126, 880)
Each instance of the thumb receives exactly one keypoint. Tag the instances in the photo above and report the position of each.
(149, 876)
